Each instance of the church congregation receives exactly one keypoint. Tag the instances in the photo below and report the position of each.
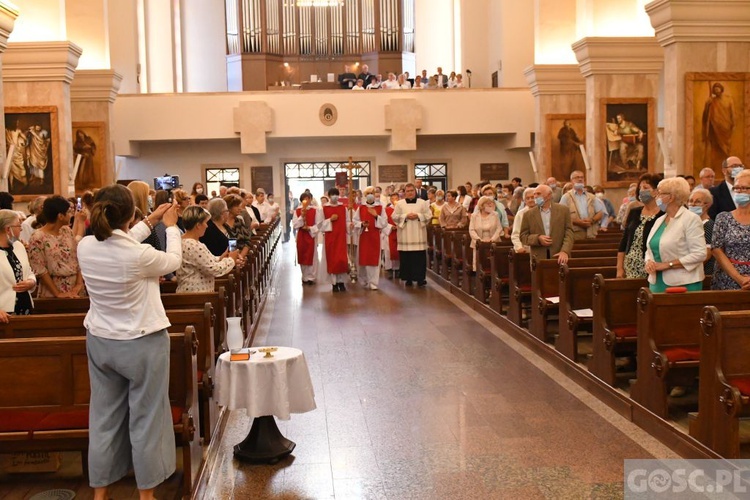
(223, 276)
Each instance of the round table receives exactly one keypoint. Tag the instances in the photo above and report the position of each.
(265, 387)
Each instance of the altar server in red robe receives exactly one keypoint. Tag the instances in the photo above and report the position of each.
(391, 249)
(333, 221)
(303, 222)
(369, 220)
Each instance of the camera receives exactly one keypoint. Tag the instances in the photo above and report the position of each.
(167, 182)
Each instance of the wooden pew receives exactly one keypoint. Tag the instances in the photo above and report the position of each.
(483, 289)
(430, 245)
(576, 294)
(582, 254)
(724, 393)
(437, 260)
(669, 333)
(519, 284)
(500, 270)
(463, 258)
(46, 409)
(201, 320)
(546, 295)
(615, 304)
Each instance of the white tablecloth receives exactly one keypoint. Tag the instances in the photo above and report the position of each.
(275, 386)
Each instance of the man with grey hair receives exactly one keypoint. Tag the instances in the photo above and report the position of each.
(556, 189)
(723, 201)
(707, 177)
(214, 238)
(267, 212)
(515, 235)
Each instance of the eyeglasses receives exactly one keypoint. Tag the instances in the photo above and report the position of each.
(741, 189)
(731, 167)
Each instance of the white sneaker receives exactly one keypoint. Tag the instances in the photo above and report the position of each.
(373, 286)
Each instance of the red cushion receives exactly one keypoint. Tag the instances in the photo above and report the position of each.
(525, 288)
(741, 383)
(20, 420)
(200, 376)
(625, 331)
(177, 412)
(674, 354)
(63, 420)
(503, 280)
(676, 289)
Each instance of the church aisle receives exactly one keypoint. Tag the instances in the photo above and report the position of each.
(419, 398)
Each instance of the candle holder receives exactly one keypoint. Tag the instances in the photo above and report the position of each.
(269, 351)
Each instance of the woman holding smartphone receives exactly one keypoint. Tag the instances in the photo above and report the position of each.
(199, 266)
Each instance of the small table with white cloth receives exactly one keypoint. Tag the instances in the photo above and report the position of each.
(265, 387)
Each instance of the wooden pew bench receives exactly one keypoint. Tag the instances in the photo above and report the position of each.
(615, 305)
(669, 333)
(46, 408)
(483, 288)
(500, 271)
(201, 320)
(545, 299)
(576, 301)
(724, 391)
(448, 256)
(519, 284)
(437, 258)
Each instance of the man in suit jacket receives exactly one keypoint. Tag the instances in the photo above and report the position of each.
(442, 80)
(421, 192)
(546, 228)
(722, 193)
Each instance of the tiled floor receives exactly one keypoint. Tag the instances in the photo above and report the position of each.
(419, 398)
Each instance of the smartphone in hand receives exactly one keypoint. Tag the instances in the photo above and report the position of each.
(79, 207)
(232, 244)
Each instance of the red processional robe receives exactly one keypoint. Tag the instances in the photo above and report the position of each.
(305, 241)
(337, 260)
(369, 241)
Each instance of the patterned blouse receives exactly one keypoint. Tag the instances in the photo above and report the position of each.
(55, 255)
(635, 263)
(240, 232)
(23, 299)
(734, 239)
(199, 268)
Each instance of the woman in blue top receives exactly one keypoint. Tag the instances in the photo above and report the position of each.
(676, 246)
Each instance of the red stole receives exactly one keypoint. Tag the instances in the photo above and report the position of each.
(369, 241)
(305, 242)
(337, 260)
(392, 238)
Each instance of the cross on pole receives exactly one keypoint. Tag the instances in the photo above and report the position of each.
(352, 249)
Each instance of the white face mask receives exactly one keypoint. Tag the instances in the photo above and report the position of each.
(600, 196)
(199, 191)
(270, 199)
(488, 209)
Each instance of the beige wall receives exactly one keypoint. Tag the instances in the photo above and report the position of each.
(39, 21)
(87, 26)
(512, 32)
(434, 36)
(203, 47)
(123, 25)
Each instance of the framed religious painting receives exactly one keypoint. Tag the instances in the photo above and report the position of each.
(630, 139)
(31, 142)
(565, 134)
(89, 142)
(717, 119)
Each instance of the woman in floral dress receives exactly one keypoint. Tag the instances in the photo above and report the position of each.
(52, 249)
(630, 256)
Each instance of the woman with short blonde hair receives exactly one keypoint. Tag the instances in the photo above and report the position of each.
(16, 278)
(484, 224)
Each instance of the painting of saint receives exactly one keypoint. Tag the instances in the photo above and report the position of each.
(566, 134)
(715, 119)
(628, 141)
(32, 167)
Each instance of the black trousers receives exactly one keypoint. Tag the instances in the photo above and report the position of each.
(413, 265)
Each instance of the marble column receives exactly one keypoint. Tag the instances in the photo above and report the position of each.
(559, 91)
(8, 15)
(702, 36)
(625, 68)
(92, 96)
(37, 76)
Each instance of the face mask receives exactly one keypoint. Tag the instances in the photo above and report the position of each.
(696, 210)
(199, 191)
(736, 171)
(334, 198)
(270, 199)
(539, 201)
(488, 209)
(552, 186)
(439, 198)
(370, 199)
(578, 186)
(663, 206)
(600, 196)
(631, 198)
(645, 196)
(150, 201)
(741, 199)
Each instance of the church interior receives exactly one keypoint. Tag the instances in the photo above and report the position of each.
(490, 382)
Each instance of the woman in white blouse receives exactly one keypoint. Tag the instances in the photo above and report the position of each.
(16, 278)
(199, 266)
(130, 421)
(484, 225)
